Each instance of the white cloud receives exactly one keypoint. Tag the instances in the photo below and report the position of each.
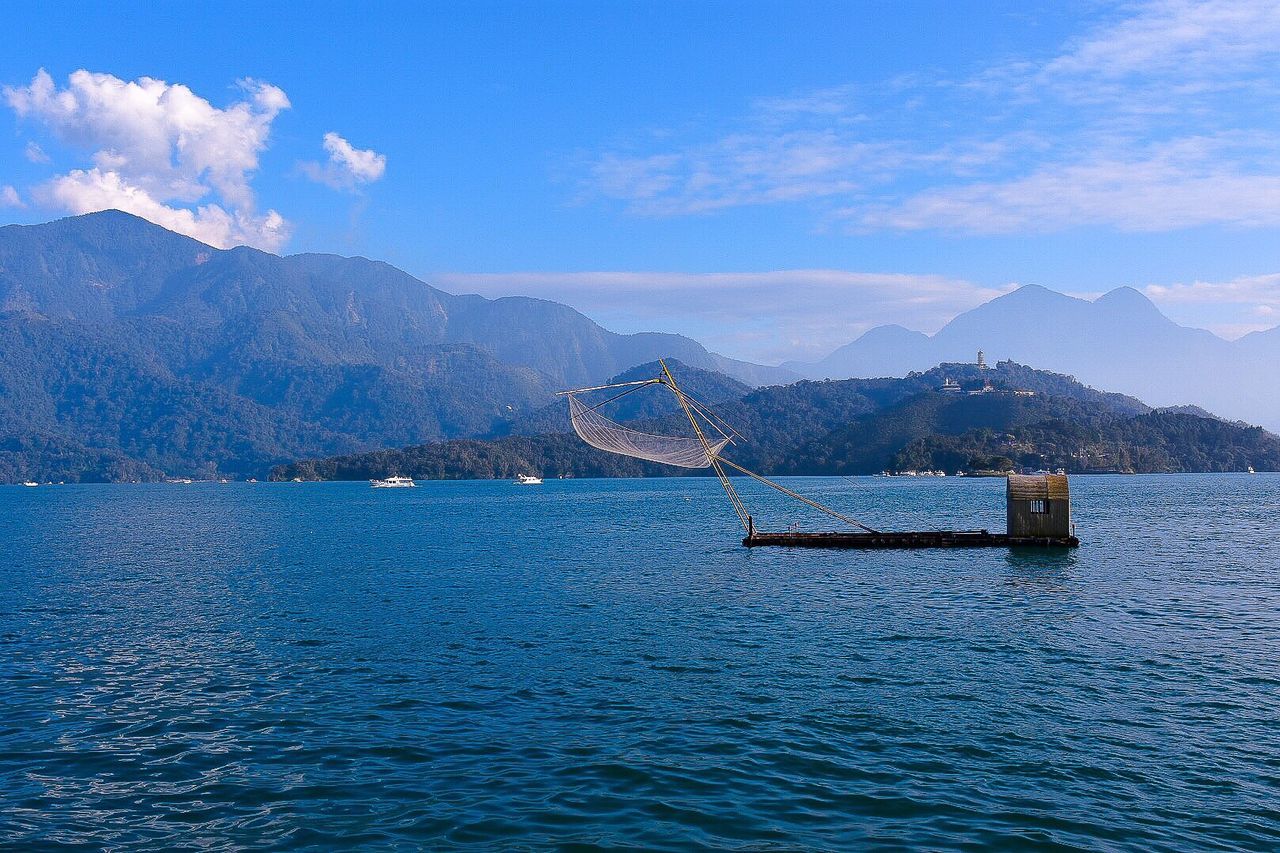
(1158, 117)
(9, 197)
(1171, 186)
(1252, 289)
(1177, 37)
(745, 169)
(160, 151)
(35, 154)
(348, 167)
(84, 191)
(1229, 308)
(762, 316)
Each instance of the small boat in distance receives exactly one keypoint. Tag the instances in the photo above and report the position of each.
(528, 480)
(393, 483)
(29, 483)
(1251, 471)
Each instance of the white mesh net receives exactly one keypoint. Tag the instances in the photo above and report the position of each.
(598, 431)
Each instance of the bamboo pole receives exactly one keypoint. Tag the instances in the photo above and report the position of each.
(738, 506)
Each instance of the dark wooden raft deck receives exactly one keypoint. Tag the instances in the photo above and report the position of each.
(909, 539)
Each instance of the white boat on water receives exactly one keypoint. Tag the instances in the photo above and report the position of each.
(29, 483)
(393, 483)
(528, 480)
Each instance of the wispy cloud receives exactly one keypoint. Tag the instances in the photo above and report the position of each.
(1182, 39)
(1160, 116)
(1229, 308)
(1262, 291)
(35, 154)
(160, 151)
(348, 167)
(763, 316)
(1186, 182)
(9, 197)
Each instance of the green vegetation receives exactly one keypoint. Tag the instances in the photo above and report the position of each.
(867, 426)
(123, 342)
(128, 352)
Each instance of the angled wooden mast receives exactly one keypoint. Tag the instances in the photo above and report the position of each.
(701, 452)
(712, 456)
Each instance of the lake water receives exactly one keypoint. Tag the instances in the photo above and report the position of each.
(601, 664)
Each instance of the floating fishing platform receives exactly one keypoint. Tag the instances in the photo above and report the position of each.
(1038, 506)
(908, 539)
(1037, 511)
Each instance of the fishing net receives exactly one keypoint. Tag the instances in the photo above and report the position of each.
(598, 431)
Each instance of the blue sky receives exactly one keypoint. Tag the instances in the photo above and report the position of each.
(772, 178)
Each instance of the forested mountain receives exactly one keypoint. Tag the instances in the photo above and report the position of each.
(1027, 418)
(127, 350)
(1120, 341)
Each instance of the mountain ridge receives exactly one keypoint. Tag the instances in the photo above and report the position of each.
(1023, 418)
(111, 326)
(1120, 340)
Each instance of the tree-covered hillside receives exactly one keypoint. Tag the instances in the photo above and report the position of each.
(126, 340)
(1026, 419)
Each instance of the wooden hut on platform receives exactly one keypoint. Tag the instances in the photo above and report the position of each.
(1038, 505)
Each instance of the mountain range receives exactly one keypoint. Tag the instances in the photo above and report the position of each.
(127, 351)
(1002, 418)
(130, 352)
(1120, 341)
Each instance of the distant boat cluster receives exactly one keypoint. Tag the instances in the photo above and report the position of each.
(398, 482)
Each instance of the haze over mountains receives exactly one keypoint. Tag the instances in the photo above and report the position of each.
(1025, 419)
(1120, 342)
(128, 351)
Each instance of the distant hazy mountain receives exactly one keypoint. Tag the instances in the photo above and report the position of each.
(133, 350)
(1119, 341)
(863, 426)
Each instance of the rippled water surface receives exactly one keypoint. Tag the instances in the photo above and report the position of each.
(599, 663)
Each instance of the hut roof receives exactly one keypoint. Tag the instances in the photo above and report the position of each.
(1030, 487)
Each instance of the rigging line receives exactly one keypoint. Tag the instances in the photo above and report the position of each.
(710, 422)
(615, 396)
(854, 480)
(603, 387)
(705, 410)
(685, 401)
(713, 419)
(799, 497)
(738, 506)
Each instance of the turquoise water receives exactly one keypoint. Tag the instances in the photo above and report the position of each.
(600, 664)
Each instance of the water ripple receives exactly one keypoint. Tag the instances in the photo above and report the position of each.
(283, 667)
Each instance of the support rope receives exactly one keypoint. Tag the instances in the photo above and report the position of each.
(771, 484)
(738, 506)
(618, 396)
